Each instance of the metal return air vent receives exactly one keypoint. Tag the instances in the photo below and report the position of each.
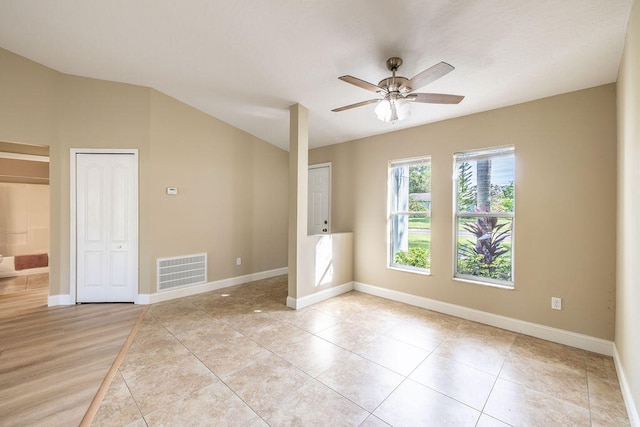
(181, 271)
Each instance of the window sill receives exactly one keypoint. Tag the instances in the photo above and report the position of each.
(481, 283)
(421, 271)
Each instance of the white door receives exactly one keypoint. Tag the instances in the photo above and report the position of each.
(106, 227)
(319, 215)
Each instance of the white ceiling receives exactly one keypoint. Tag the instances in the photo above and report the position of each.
(246, 61)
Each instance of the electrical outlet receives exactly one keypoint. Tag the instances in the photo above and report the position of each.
(556, 303)
(238, 261)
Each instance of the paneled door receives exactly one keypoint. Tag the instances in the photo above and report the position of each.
(318, 214)
(106, 227)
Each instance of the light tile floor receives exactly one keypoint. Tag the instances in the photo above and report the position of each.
(238, 356)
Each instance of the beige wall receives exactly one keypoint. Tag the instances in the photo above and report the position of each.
(565, 208)
(628, 289)
(233, 187)
(232, 193)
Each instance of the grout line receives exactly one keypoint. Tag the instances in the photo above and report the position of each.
(102, 391)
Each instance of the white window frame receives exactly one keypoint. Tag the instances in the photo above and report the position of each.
(481, 154)
(391, 214)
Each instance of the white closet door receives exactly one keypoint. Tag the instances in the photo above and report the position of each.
(107, 227)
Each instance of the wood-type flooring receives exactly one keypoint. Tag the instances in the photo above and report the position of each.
(54, 359)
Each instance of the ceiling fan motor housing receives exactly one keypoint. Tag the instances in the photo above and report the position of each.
(392, 84)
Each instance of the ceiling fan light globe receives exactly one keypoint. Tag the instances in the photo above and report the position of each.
(383, 110)
(403, 108)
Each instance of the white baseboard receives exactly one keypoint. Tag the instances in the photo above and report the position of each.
(585, 342)
(632, 409)
(208, 287)
(64, 299)
(298, 303)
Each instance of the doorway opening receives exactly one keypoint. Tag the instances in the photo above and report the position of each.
(24, 226)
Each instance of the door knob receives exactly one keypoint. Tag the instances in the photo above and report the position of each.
(324, 230)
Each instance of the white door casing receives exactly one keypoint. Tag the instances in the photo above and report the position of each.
(319, 199)
(106, 227)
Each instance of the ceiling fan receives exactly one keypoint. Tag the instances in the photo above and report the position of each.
(397, 91)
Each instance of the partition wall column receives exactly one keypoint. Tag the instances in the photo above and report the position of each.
(298, 173)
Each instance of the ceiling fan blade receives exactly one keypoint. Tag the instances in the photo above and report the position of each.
(362, 84)
(357, 104)
(429, 75)
(435, 98)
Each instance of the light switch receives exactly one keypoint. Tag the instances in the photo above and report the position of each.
(172, 191)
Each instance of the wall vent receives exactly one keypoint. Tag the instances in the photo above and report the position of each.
(181, 271)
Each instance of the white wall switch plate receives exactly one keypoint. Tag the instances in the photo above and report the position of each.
(238, 261)
(556, 303)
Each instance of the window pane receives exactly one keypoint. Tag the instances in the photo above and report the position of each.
(410, 206)
(411, 240)
(485, 184)
(411, 188)
(485, 248)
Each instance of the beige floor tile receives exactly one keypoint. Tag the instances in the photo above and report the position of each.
(473, 353)
(118, 407)
(266, 383)
(607, 405)
(373, 319)
(183, 322)
(517, 405)
(212, 405)
(422, 335)
(311, 320)
(229, 356)
(279, 335)
(154, 386)
(552, 379)
(460, 382)
(341, 306)
(268, 360)
(393, 354)
(413, 404)
(550, 352)
(137, 423)
(487, 421)
(361, 381)
(153, 346)
(315, 404)
(432, 319)
(349, 337)
(208, 330)
(373, 421)
(169, 309)
(491, 336)
(250, 322)
(314, 355)
(602, 367)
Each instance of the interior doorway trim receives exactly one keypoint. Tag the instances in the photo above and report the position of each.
(73, 244)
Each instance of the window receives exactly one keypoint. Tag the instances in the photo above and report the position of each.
(410, 214)
(484, 210)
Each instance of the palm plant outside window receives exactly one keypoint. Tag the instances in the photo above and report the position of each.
(485, 215)
(410, 214)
